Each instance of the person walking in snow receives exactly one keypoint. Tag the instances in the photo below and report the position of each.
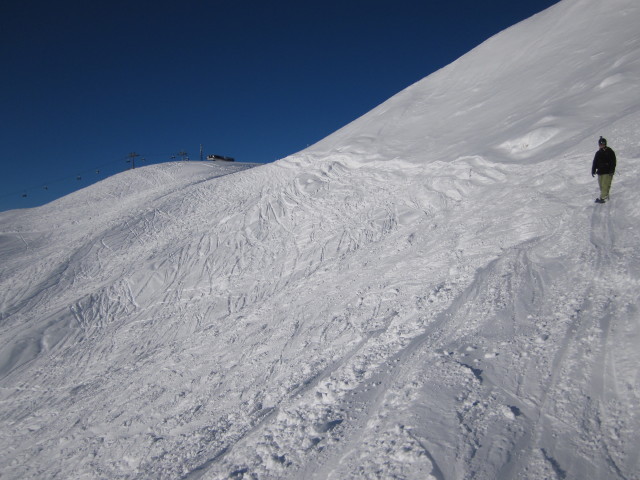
(604, 164)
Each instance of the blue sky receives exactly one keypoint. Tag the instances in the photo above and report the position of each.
(85, 83)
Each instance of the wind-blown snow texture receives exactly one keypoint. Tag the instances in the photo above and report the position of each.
(429, 293)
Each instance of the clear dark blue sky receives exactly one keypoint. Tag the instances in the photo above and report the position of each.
(84, 83)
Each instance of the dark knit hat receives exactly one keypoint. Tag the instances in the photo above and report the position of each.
(602, 141)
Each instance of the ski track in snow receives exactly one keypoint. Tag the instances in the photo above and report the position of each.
(510, 423)
(506, 349)
(387, 304)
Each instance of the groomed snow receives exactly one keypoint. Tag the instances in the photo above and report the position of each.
(429, 293)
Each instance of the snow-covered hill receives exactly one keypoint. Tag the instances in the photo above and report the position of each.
(429, 293)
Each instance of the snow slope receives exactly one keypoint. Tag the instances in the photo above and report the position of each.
(429, 293)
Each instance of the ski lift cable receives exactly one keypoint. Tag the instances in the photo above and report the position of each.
(97, 169)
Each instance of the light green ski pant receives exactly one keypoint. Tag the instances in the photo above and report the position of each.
(604, 181)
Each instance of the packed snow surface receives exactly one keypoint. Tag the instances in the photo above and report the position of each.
(429, 293)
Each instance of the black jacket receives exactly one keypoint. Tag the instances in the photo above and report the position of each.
(604, 162)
